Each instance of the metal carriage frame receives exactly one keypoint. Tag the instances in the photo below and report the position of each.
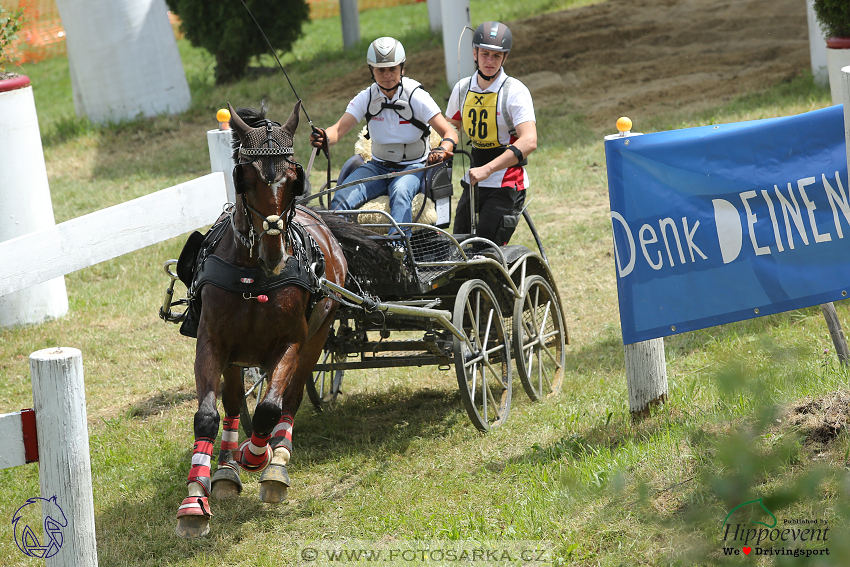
(474, 305)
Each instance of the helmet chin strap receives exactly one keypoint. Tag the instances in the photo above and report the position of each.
(487, 77)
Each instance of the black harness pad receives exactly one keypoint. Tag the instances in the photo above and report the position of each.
(251, 281)
(230, 277)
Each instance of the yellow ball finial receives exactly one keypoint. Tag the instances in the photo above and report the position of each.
(624, 124)
(223, 115)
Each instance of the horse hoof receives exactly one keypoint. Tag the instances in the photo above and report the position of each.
(193, 527)
(274, 483)
(226, 483)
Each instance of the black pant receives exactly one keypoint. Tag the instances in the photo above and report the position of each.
(498, 209)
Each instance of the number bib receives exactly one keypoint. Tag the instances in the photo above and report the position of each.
(479, 119)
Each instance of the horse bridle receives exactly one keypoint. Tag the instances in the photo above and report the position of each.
(273, 225)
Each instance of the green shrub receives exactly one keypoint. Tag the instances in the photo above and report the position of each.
(834, 17)
(10, 25)
(226, 30)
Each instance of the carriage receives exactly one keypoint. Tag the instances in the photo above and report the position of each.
(306, 295)
(461, 302)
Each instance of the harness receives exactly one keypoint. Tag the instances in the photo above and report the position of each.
(485, 144)
(197, 264)
(378, 102)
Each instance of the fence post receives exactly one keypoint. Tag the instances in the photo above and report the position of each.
(435, 16)
(646, 375)
(64, 468)
(350, 18)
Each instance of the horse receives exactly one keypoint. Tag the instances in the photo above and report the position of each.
(282, 327)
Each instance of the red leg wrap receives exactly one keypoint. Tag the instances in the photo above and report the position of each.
(229, 440)
(282, 433)
(201, 457)
(251, 461)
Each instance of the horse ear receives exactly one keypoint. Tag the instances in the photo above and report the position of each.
(237, 123)
(292, 121)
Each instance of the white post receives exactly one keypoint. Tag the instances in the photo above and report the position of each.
(221, 158)
(817, 47)
(25, 204)
(123, 59)
(646, 375)
(64, 468)
(435, 16)
(455, 17)
(350, 17)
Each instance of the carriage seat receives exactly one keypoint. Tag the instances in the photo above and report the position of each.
(436, 184)
(436, 187)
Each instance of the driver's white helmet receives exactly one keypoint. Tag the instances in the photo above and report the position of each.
(385, 52)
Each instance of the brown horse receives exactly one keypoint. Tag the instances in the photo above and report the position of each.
(281, 327)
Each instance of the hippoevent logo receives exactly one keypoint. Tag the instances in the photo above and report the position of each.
(790, 537)
(54, 520)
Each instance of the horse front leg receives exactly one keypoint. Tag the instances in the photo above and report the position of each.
(226, 482)
(193, 515)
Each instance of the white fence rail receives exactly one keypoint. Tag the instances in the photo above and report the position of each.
(87, 240)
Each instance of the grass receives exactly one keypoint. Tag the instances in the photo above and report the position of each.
(397, 459)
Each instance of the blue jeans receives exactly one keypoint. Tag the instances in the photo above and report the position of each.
(401, 189)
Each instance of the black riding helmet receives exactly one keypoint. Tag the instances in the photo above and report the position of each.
(494, 36)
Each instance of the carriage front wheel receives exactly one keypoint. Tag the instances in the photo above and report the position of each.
(323, 387)
(539, 338)
(482, 356)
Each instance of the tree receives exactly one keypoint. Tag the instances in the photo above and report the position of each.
(226, 30)
(10, 25)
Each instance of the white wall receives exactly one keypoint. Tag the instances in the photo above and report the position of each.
(817, 47)
(123, 59)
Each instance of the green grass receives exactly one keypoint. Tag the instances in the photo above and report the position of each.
(397, 458)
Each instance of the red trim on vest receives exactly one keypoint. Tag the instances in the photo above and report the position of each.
(14, 84)
(30, 435)
(514, 177)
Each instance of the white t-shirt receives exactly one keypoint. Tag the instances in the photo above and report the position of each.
(520, 108)
(387, 127)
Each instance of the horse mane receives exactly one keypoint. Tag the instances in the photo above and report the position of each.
(368, 259)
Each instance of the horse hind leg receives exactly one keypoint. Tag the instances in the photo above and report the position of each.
(274, 482)
(226, 483)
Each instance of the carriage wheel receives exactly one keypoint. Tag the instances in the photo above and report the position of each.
(325, 385)
(256, 379)
(539, 337)
(482, 358)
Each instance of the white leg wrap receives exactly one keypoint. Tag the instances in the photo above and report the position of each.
(281, 456)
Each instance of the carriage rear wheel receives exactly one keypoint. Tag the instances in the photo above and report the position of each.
(482, 357)
(323, 388)
(539, 338)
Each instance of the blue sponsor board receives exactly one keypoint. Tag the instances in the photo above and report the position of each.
(718, 224)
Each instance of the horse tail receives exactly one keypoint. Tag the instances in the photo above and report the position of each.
(368, 258)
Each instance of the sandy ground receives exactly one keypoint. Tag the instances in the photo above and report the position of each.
(642, 57)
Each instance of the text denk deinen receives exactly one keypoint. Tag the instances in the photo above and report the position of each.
(790, 214)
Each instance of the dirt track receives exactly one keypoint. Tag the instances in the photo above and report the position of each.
(641, 57)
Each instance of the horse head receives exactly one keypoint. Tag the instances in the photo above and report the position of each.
(268, 180)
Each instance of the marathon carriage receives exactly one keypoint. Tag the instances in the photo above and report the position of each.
(455, 301)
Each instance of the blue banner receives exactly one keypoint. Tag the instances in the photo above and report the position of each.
(723, 223)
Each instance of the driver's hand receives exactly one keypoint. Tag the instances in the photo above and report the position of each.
(318, 138)
(438, 155)
(477, 174)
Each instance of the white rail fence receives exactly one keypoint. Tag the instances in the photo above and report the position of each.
(55, 432)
